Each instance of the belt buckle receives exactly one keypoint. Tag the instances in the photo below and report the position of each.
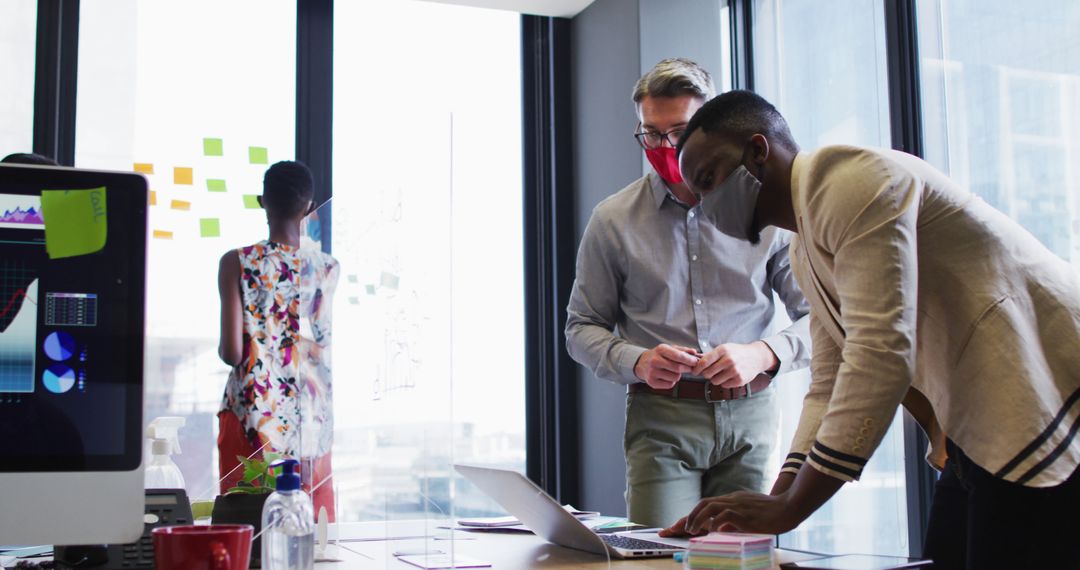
(708, 394)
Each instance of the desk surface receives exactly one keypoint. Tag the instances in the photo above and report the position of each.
(503, 551)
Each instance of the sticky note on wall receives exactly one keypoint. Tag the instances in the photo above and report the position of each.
(182, 175)
(209, 227)
(251, 202)
(153, 198)
(183, 205)
(212, 147)
(258, 155)
(162, 234)
(144, 168)
(215, 185)
(76, 221)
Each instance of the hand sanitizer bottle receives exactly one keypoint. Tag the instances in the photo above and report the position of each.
(161, 471)
(288, 523)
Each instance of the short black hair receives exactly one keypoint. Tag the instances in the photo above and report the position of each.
(741, 114)
(288, 188)
(28, 158)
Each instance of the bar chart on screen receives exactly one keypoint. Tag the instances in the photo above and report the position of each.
(18, 327)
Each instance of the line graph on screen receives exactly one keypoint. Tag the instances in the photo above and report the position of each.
(18, 327)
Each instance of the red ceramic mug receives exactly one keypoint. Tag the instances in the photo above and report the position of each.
(213, 547)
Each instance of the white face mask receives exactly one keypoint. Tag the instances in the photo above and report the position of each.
(731, 205)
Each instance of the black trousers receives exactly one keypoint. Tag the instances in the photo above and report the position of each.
(981, 522)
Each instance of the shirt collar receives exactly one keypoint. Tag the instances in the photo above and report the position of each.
(660, 190)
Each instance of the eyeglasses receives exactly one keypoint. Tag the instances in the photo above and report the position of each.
(650, 139)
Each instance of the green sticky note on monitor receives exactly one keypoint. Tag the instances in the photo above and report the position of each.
(251, 201)
(214, 185)
(209, 227)
(258, 155)
(212, 147)
(76, 221)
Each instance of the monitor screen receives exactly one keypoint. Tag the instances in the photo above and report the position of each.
(71, 328)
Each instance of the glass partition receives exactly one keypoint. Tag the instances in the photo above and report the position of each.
(200, 98)
(823, 65)
(432, 282)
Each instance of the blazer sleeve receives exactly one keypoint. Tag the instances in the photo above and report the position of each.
(866, 218)
(823, 366)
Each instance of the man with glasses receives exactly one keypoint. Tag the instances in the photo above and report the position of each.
(684, 315)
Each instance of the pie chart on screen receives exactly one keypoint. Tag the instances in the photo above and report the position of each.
(59, 346)
(58, 378)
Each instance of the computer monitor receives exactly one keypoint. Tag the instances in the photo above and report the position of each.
(71, 358)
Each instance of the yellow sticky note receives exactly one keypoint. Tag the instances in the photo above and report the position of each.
(76, 221)
(251, 201)
(210, 227)
(182, 175)
(144, 167)
(153, 198)
(180, 205)
(213, 185)
(162, 234)
(258, 155)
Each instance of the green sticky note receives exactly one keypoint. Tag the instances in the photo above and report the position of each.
(209, 227)
(258, 155)
(251, 202)
(212, 147)
(76, 221)
(215, 185)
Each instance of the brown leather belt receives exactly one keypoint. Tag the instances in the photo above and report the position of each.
(697, 390)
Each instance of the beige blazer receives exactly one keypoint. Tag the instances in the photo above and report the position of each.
(922, 293)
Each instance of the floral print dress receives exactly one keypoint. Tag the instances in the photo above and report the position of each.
(281, 390)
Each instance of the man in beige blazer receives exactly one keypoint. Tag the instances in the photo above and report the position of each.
(920, 294)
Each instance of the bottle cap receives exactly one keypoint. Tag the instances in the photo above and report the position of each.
(289, 477)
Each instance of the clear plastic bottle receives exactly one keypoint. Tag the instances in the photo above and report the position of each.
(161, 472)
(288, 521)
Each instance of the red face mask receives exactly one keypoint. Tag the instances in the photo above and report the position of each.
(665, 163)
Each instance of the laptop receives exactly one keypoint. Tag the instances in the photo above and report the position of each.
(549, 520)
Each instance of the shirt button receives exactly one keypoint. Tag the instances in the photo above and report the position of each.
(857, 448)
(868, 422)
(693, 258)
(697, 301)
(864, 431)
(859, 441)
(690, 215)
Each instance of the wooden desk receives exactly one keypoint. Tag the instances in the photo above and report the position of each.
(503, 551)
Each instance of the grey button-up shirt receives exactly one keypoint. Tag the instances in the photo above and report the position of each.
(651, 270)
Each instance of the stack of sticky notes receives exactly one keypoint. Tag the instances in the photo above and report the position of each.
(730, 551)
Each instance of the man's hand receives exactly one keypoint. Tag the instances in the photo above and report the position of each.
(738, 512)
(753, 512)
(733, 365)
(663, 366)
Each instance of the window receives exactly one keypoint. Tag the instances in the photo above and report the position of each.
(1001, 109)
(823, 65)
(18, 30)
(200, 96)
(427, 227)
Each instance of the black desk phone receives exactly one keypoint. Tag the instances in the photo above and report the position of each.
(164, 507)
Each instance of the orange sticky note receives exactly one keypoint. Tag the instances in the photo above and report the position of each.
(153, 198)
(161, 234)
(180, 205)
(182, 175)
(144, 167)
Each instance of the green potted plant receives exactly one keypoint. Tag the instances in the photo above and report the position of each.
(243, 504)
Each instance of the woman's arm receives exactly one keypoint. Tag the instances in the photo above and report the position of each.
(232, 333)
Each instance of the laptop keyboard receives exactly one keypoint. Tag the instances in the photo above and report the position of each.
(627, 543)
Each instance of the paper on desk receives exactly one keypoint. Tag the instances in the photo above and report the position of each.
(436, 561)
(489, 522)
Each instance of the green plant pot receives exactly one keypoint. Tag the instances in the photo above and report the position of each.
(242, 508)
